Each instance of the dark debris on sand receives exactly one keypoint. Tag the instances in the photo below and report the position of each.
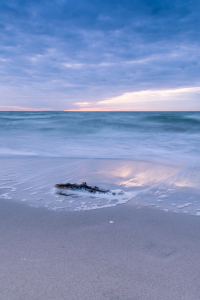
(82, 186)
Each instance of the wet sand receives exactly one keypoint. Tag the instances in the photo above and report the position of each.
(119, 253)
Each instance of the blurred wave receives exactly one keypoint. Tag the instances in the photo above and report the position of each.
(138, 135)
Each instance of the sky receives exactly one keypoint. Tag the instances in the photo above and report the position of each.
(100, 55)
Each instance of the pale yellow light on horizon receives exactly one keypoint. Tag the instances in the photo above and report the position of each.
(140, 100)
(90, 109)
(150, 95)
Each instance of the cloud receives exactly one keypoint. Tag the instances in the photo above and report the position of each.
(57, 53)
(18, 108)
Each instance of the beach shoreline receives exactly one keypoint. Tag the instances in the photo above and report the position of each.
(110, 253)
(140, 183)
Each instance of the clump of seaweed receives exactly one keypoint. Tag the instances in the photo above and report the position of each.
(82, 186)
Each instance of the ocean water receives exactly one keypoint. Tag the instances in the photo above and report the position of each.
(143, 158)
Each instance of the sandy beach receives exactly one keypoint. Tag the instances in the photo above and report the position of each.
(119, 253)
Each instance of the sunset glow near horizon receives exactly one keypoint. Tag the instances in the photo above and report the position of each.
(99, 56)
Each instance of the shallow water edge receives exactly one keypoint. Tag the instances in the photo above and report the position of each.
(168, 187)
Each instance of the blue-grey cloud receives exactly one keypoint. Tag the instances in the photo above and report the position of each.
(55, 53)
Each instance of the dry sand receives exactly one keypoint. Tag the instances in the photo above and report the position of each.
(141, 254)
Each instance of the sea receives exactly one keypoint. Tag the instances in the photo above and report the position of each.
(144, 159)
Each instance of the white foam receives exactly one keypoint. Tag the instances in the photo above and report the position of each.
(13, 189)
(5, 196)
(163, 196)
(184, 205)
(57, 208)
(29, 188)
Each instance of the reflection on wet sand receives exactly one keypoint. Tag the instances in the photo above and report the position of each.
(144, 183)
